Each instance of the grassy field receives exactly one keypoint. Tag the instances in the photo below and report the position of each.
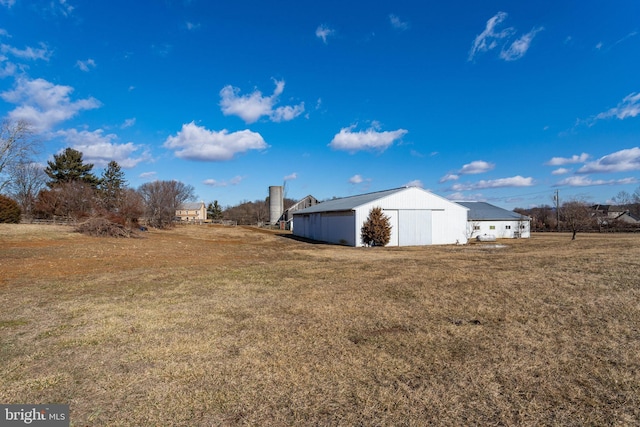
(212, 326)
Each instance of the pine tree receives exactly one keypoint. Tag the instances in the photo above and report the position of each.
(111, 186)
(68, 166)
(214, 210)
(376, 230)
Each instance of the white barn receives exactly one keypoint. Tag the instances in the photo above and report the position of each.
(418, 217)
(488, 220)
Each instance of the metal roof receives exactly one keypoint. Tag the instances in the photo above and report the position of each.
(348, 203)
(191, 206)
(482, 211)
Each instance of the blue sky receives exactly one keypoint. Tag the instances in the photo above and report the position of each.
(498, 101)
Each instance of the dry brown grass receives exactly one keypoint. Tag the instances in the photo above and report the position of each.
(217, 326)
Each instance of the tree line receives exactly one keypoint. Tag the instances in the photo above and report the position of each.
(68, 189)
(578, 215)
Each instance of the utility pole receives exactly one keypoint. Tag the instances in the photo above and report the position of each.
(556, 197)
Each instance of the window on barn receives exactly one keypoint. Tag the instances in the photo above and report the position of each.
(508, 227)
(492, 227)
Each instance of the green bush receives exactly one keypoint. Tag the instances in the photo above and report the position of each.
(9, 210)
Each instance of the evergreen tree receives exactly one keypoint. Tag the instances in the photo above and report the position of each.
(112, 186)
(68, 166)
(214, 210)
(376, 230)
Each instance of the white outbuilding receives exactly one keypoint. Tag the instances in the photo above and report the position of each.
(492, 221)
(418, 217)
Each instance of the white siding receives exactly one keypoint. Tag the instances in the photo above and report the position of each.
(417, 217)
(393, 221)
(332, 227)
(449, 227)
(416, 227)
(500, 229)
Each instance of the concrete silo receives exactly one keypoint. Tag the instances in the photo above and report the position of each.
(276, 203)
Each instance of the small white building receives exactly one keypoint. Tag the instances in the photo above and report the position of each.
(418, 217)
(488, 220)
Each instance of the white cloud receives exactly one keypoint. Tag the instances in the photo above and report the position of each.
(561, 161)
(7, 3)
(370, 139)
(461, 197)
(629, 107)
(287, 112)
(476, 167)
(585, 181)
(397, 23)
(516, 181)
(44, 104)
(100, 149)
(253, 106)
(323, 32)
(147, 175)
(356, 179)
(415, 183)
(194, 142)
(473, 168)
(86, 65)
(561, 171)
(8, 69)
(291, 177)
(65, 8)
(449, 177)
(128, 123)
(192, 26)
(215, 183)
(620, 161)
(28, 52)
(518, 48)
(488, 39)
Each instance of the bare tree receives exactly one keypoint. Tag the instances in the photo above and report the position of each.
(576, 216)
(17, 146)
(27, 180)
(162, 199)
(72, 200)
(472, 228)
(131, 207)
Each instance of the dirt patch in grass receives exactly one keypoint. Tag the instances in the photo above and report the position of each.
(209, 325)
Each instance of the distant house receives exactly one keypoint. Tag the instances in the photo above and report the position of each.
(607, 215)
(485, 219)
(418, 217)
(192, 212)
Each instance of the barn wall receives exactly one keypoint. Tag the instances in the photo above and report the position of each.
(501, 229)
(338, 227)
(332, 227)
(449, 227)
(417, 218)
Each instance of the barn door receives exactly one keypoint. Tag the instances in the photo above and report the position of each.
(393, 220)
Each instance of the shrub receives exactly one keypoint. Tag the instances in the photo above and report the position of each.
(9, 210)
(376, 230)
